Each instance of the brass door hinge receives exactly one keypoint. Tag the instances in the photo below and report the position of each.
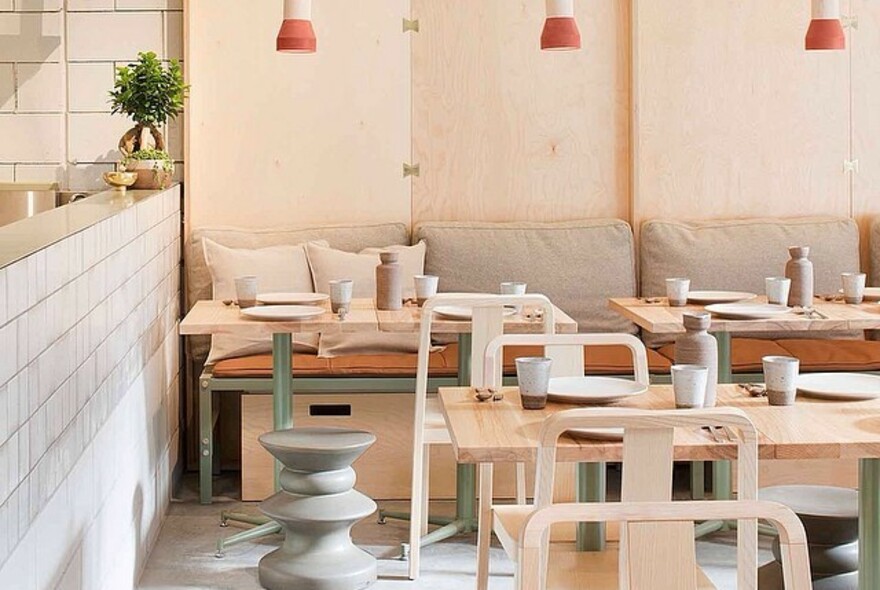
(410, 25)
(851, 166)
(410, 170)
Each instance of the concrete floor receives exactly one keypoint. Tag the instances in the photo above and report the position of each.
(184, 554)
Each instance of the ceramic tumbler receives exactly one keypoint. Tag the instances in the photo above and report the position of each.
(426, 287)
(513, 288)
(853, 287)
(689, 385)
(677, 290)
(246, 291)
(533, 376)
(777, 289)
(697, 347)
(340, 294)
(780, 378)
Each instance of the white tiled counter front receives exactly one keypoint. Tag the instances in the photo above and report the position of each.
(89, 399)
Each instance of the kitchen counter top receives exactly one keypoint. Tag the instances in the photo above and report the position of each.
(22, 238)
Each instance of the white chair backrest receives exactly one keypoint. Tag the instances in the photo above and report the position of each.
(792, 538)
(648, 454)
(567, 353)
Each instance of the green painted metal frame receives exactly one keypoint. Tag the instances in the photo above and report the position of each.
(869, 524)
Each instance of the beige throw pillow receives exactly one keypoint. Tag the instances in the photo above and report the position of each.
(328, 264)
(277, 268)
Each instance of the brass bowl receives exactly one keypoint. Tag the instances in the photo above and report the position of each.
(120, 180)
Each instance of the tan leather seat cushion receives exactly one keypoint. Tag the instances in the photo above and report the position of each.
(600, 360)
(746, 353)
(834, 355)
(815, 355)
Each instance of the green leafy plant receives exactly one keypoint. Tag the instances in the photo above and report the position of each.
(151, 94)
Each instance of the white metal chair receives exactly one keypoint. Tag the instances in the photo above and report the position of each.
(654, 554)
(429, 426)
(567, 352)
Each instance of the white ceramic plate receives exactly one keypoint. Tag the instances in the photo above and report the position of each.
(839, 386)
(704, 297)
(462, 312)
(281, 313)
(871, 293)
(291, 298)
(747, 311)
(592, 390)
(606, 434)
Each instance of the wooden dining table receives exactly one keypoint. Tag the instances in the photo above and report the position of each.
(502, 432)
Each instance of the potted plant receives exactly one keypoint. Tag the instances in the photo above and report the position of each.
(151, 94)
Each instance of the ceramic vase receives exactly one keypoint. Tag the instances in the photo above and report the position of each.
(800, 270)
(389, 282)
(697, 347)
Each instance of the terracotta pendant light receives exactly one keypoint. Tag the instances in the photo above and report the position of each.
(296, 34)
(560, 29)
(825, 30)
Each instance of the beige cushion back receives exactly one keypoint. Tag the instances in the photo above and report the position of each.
(739, 254)
(577, 264)
(352, 238)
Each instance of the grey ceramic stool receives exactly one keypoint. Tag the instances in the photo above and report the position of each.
(316, 509)
(831, 520)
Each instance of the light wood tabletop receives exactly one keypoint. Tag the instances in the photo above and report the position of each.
(660, 318)
(409, 318)
(501, 432)
(213, 317)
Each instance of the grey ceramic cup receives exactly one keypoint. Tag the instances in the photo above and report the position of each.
(246, 291)
(513, 288)
(533, 376)
(426, 287)
(689, 385)
(677, 290)
(777, 289)
(780, 377)
(853, 287)
(340, 294)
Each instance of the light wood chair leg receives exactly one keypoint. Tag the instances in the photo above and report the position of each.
(426, 495)
(521, 483)
(484, 525)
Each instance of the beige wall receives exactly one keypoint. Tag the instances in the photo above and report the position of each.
(56, 67)
(682, 109)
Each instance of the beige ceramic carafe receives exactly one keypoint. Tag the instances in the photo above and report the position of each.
(389, 283)
(697, 347)
(800, 270)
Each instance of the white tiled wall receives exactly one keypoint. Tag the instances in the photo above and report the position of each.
(56, 69)
(89, 398)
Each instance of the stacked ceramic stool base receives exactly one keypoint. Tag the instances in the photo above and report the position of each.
(316, 508)
(831, 520)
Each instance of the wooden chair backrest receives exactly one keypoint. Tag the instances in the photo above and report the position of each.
(792, 538)
(664, 552)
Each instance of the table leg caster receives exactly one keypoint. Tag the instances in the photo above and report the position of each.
(381, 519)
(404, 552)
(219, 553)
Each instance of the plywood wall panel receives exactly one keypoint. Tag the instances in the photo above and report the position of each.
(282, 139)
(734, 118)
(504, 131)
(866, 116)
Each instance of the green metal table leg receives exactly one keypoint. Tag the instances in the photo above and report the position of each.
(591, 488)
(869, 524)
(725, 366)
(698, 480)
(282, 412)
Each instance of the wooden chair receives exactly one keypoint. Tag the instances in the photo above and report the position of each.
(792, 538)
(429, 426)
(654, 554)
(567, 352)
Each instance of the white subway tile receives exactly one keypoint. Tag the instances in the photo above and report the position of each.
(7, 173)
(87, 176)
(86, 5)
(33, 37)
(94, 137)
(40, 87)
(6, 6)
(9, 355)
(7, 87)
(149, 4)
(39, 173)
(4, 309)
(90, 84)
(24, 339)
(38, 5)
(4, 472)
(31, 138)
(17, 287)
(5, 417)
(123, 35)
